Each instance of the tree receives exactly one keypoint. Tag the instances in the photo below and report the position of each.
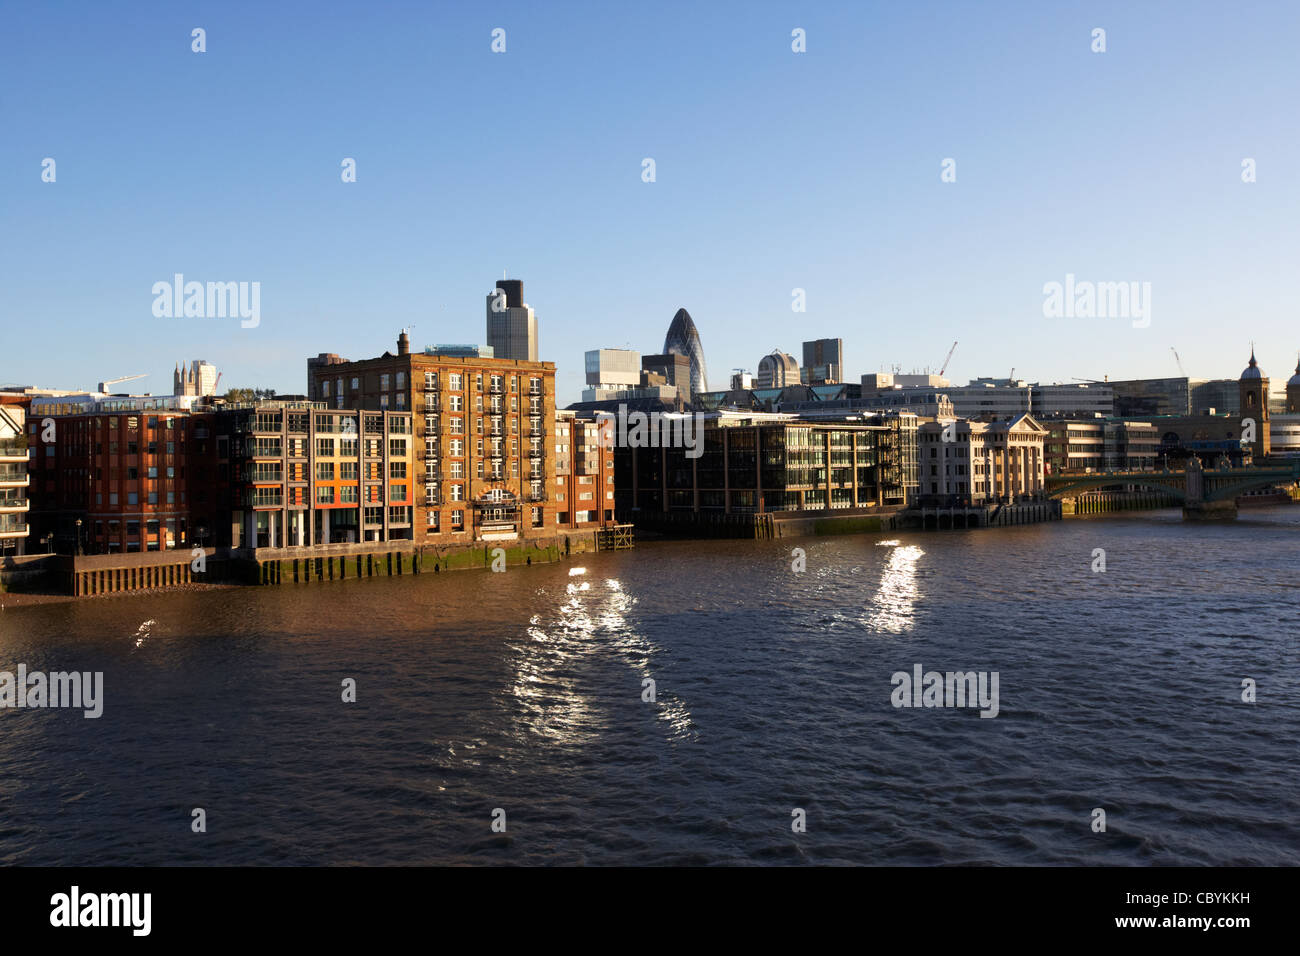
(236, 395)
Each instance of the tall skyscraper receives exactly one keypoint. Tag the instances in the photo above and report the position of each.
(511, 324)
(684, 339)
(823, 362)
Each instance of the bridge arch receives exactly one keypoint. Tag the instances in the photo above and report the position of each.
(1172, 484)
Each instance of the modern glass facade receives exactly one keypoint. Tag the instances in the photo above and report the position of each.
(684, 339)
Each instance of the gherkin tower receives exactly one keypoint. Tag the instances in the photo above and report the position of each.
(684, 339)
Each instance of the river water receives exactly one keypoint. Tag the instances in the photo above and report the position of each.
(523, 692)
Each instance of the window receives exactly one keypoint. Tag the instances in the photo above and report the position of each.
(348, 493)
(348, 448)
(453, 381)
(325, 389)
(325, 495)
(397, 469)
(458, 521)
(457, 493)
(457, 448)
(356, 383)
(397, 492)
(455, 402)
(401, 380)
(324, 447)
(348, 470)
(397, 447)
(383, 382)
(324, 471)
(458, 426)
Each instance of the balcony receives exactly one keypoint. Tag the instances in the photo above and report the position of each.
(14, 477)
(14, 449)
(14, 504)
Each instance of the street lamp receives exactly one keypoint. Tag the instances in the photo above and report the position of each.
(78, 548)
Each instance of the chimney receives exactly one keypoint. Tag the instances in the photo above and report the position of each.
(403, 344)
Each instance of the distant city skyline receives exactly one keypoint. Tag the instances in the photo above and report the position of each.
(775, 171)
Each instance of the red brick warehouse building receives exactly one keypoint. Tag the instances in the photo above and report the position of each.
(483, 466)
(122, 474)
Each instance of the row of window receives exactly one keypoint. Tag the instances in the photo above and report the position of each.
(132, 423)
(456, 403)
(328, 447)
(433, 520)
(454, 381)
(133, 498)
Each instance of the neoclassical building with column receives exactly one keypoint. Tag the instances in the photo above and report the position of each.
(979, 461)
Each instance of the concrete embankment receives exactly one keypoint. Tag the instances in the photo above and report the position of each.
(103, 574)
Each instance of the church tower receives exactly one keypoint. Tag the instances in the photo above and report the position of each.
(1293, 391)
(1252, 388)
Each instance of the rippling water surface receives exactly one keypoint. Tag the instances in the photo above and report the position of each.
(523, 691)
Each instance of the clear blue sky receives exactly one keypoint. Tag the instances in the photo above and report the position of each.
(775, 170)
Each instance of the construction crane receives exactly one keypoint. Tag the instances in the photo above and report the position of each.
(947, 358)
(1179, 361)
(103, 386)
